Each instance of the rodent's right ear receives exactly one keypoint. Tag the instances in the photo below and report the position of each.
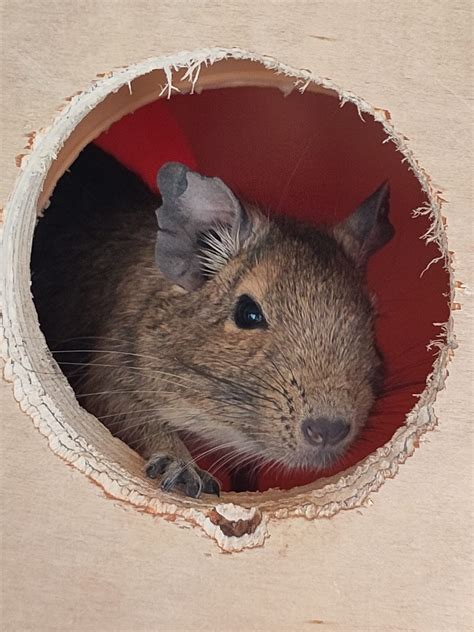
(200, 225)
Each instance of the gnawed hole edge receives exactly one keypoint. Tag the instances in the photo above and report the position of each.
(50, 401)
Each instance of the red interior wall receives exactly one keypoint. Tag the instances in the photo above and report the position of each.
(305, 156)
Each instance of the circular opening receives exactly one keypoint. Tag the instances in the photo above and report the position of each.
(297, 153)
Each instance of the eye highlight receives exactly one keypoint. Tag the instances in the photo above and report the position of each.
(248, 314)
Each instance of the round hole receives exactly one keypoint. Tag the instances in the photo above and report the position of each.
(295, 152)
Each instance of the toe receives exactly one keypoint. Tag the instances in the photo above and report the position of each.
(209, 484)
(193, 486)
(157, 465)
(173, 476)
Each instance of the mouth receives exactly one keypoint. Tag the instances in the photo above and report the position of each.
(312, 459)
(308, 458)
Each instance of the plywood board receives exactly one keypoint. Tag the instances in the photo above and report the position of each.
(73, 559)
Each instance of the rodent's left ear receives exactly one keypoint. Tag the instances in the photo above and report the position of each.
(196, 210)
(368, 228)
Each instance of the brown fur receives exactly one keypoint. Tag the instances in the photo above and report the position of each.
(170, 362)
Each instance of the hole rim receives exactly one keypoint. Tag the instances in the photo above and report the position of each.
(50, 402)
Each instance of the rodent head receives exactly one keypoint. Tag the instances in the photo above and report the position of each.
(275, 324)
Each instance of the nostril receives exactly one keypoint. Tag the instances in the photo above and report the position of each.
(338, 430)
(313, 432)
(321, 431)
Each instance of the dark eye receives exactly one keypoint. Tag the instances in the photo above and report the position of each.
(248, 314)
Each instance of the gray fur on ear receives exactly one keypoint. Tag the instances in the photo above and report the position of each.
(368, 228)
(196, 211)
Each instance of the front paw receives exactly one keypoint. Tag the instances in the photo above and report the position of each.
(180, 473)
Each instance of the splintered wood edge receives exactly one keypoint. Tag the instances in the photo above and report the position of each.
(237, 521)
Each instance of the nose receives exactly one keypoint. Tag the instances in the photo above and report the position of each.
(323, 431)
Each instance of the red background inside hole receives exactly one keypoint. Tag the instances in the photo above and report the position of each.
(305, 156)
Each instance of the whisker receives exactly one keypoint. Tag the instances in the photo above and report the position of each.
(256, 376)
(229, 382)
(121, 366)
(97, 393)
